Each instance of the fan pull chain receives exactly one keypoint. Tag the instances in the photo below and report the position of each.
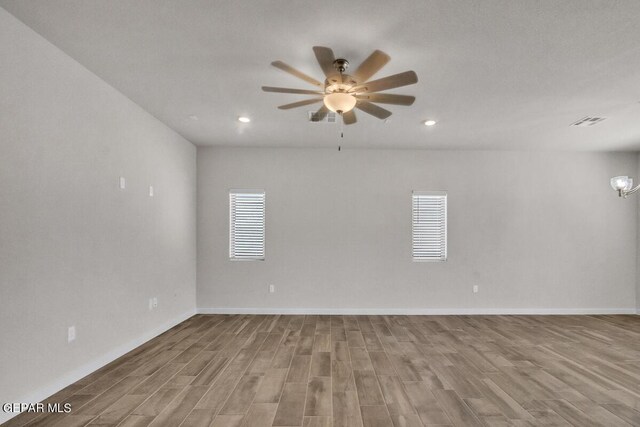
(341, 129)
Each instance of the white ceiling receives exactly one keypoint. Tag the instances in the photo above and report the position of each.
(495, 74)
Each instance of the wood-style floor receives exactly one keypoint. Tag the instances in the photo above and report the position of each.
(321, 371)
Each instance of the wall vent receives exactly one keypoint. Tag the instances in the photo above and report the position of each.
(329, 118)
(588, 121)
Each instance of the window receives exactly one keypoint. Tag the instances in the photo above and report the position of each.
(246, 225)
(429, 226)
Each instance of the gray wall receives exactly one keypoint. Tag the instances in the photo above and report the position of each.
(74, 249)
(537, 231)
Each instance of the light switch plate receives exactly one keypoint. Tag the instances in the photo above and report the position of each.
(123, 183)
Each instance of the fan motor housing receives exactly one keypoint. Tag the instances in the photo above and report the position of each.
(335, 84)
(341, 65)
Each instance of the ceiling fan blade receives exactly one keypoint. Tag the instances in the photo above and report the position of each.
(388, 98)
(371, 65)
(373, 109)
(349, 117)
(287, 90)
(391, 82)
(320, 114)
(299, 74)
(325, 58)
(299, 103)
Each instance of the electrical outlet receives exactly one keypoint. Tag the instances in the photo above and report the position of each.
(150, 304)
(475, 289)
(155, 302)
(272, 289)
(123, 183)
(71, 334)
(151, 191)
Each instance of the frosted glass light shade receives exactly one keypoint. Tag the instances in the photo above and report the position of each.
(623, 183)
(340, 102)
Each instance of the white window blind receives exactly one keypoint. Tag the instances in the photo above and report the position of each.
(246, 224)
(429, 226)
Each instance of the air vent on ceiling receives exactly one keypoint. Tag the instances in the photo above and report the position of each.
(588, 121)
(329, 118)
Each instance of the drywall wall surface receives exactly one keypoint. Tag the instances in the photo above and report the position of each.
(538, 232)
(636, 182)
(75, 249)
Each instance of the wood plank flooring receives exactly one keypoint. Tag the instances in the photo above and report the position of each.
(367, 371)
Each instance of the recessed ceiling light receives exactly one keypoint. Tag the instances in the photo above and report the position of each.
(244, 119)
(430, 123)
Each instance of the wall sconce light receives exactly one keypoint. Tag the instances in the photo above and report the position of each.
(623, 185)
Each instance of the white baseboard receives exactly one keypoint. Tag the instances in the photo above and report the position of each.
(416, 311)
(92, 366)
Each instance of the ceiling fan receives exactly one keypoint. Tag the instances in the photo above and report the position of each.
(341, 92)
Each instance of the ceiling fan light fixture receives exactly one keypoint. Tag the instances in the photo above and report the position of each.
(340, 102)
(341, 93)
